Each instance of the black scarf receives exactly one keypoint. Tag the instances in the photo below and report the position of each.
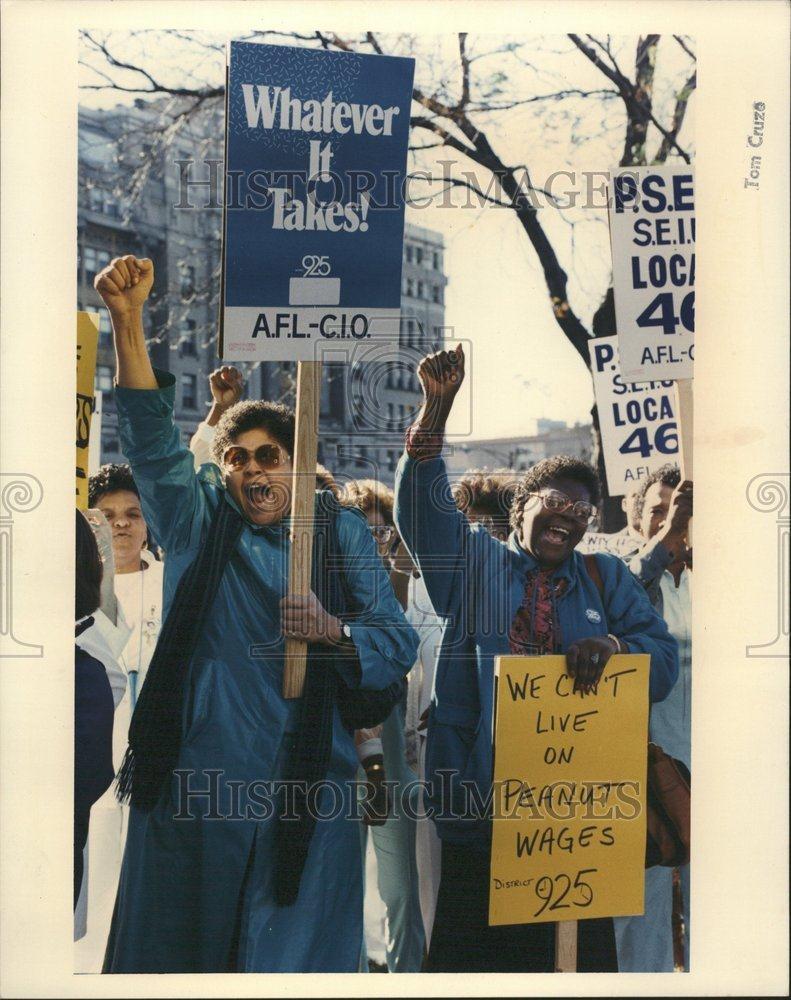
(155, 730)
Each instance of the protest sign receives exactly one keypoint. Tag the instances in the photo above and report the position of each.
(638, 421)
(619, 543)
(652, 233)
(316, 146)
(87, 340)
(313, 226)
(569, 829)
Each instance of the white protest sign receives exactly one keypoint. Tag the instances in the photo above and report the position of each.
(638, 421)
(652, 232)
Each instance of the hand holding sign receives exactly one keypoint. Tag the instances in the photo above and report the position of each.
(125, 284)
(586, 659)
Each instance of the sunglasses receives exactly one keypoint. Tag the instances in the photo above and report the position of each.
(267, 456)
(559, 503)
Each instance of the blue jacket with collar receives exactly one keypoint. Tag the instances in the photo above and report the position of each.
(476, 583)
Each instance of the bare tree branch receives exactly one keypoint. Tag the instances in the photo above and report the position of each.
(685, 47)
(465, 72)
(679, 113)
(620, 81)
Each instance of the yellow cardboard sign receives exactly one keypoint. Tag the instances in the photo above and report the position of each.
(87, 341)
(569, 829)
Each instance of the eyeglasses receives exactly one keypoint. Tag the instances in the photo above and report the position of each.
(267, 456)
(559, 503)
(382, 532)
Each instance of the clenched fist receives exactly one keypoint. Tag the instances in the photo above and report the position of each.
(226, 386)
(125, 284)
(441, 375)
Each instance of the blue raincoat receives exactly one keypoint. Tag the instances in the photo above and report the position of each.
(477, 584)
(195, 888)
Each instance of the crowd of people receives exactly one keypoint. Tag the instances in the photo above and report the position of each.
(236, 833)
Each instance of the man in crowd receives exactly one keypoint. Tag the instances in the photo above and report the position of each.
(663, 566)
(247, 878)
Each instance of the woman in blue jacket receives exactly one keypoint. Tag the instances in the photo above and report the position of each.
(529, 595)
(222, 872)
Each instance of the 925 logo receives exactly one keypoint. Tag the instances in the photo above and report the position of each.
(315, 267)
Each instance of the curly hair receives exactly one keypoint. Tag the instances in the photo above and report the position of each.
(369, 495)
(668, 475)
(254, 414)
(109, 478)
(547, 471)
(486, 493)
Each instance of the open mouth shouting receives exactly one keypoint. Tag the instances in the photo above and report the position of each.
(260, 496)
(555, 534)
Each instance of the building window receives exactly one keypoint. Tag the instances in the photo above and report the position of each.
(187, 281)
(410, 253)
(110, 446)
(410, 287)
(402, 416)
(104, 378)
(95, 260)
(419, 255)
(95, 199)
(392, 460)
(410, 331)
(189, 392)
(436, 294)
(420, 289)
(391, 415)
(105, 327)
(188, 339)
(435, 260)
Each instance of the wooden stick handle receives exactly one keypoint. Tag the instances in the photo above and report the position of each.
(685, 424)
(303, 491)
(566, 946)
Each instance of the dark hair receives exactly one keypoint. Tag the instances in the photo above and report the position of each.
(108, 479)
(667, 475)
(88, 570)
(369, 495)
(254, 414)
(547, 471)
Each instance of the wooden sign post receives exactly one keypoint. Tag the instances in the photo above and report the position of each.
(303, 491)
(566, 946)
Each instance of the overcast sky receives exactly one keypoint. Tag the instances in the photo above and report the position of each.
(522, 367)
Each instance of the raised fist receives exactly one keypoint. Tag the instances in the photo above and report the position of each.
(226, 386)
(441, 375)
(125, 284)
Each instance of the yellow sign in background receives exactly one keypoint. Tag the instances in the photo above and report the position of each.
(87, 340)
(569, 830)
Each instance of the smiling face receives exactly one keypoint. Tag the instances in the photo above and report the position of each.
(125, 517)
(261, 487)
(548, 536)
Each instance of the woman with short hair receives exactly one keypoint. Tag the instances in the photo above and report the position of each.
(529, 595)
